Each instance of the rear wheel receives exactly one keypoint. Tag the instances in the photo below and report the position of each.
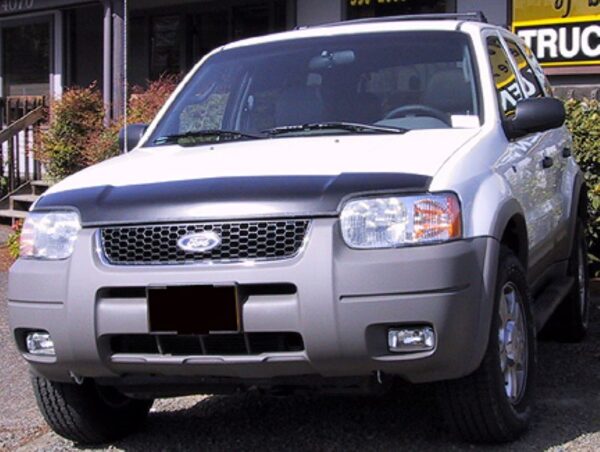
(569, 323)
(494, 403)
(87, 413)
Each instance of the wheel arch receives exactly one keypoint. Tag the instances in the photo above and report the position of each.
(579, 207)
(511, 231)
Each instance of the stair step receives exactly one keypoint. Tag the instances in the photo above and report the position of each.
(8, 216)
(38, 187)
(22, 202)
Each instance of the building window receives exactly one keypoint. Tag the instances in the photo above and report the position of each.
(165, 53)
(357, 9)
(181, 35)
(220, 23)
(26, 58)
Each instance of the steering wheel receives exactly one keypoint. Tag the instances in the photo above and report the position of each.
(419, 110)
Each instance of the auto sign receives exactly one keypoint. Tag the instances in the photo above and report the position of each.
(560, 32)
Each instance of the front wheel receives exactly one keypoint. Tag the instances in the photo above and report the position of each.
(494, 403)
(87, 413)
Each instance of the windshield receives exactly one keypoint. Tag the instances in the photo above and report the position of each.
(401, 81)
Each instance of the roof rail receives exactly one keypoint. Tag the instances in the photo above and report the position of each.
(477, 16)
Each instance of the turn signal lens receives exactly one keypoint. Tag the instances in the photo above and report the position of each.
(437, 219)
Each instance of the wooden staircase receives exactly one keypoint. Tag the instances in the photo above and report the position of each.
(21, 200)
(20, 170)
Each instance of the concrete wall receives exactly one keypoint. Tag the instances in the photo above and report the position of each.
(314, 12)
(496, 11)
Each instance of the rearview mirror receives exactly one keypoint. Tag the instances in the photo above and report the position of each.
(535, 115)
(130, 136)
(328, 60)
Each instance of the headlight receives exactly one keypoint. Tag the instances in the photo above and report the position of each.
(395, 221)
(49, 235)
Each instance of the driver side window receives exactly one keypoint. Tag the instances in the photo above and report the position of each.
(532, 85)
(204, 108)
(505, 80)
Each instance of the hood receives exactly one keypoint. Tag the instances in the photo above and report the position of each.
(275, 177)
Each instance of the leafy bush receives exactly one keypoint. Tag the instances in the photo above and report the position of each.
(77, 136)
(583, 119)
(73, 118)
(14, 240)
(144, 104)
(101, 144)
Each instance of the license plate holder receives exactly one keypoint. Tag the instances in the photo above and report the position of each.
(193, 309)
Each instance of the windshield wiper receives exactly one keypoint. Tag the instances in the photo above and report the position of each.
(347, 126)
(212, 136)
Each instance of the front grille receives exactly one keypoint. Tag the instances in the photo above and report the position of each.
(157, 244)
(207, 345)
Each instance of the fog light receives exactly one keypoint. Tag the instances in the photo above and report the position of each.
(39, 343)
(411, 339)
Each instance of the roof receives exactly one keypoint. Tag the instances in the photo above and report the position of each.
(378, 25)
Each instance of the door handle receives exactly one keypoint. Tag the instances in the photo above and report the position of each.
(547, 162)
(566, 152)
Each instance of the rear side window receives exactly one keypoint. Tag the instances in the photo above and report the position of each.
(507, 86)
(530, 81)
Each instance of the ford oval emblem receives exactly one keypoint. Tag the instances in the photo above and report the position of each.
(200, 242)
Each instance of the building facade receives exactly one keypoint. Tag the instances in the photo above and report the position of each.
(47, 45)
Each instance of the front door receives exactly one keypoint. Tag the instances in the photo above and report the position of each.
(524, 164)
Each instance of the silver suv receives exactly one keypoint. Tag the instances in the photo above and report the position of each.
(338, 207)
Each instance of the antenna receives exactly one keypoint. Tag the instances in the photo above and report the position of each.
(125, 84)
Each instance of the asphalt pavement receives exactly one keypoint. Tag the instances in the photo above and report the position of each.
(567, 413)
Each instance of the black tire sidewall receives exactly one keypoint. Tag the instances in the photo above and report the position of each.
(516, 416)
(80, 414)
(579, 322)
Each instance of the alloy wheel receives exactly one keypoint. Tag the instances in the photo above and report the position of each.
(512, 339)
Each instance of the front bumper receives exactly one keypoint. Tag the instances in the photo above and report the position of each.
(345, 302)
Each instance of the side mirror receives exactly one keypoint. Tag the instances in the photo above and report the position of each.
(535, 115)
(133, 133)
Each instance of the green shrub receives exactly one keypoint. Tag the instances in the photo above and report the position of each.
(583, 119)
(14, 240)
(73, 117)
(77, 137)
(143, 106)
(144, 103)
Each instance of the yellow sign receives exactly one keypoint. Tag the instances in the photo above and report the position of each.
(560, 32)
(550, 11)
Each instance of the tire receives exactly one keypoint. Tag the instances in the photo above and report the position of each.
(484, 407)
(570, 321)
(87, 413)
